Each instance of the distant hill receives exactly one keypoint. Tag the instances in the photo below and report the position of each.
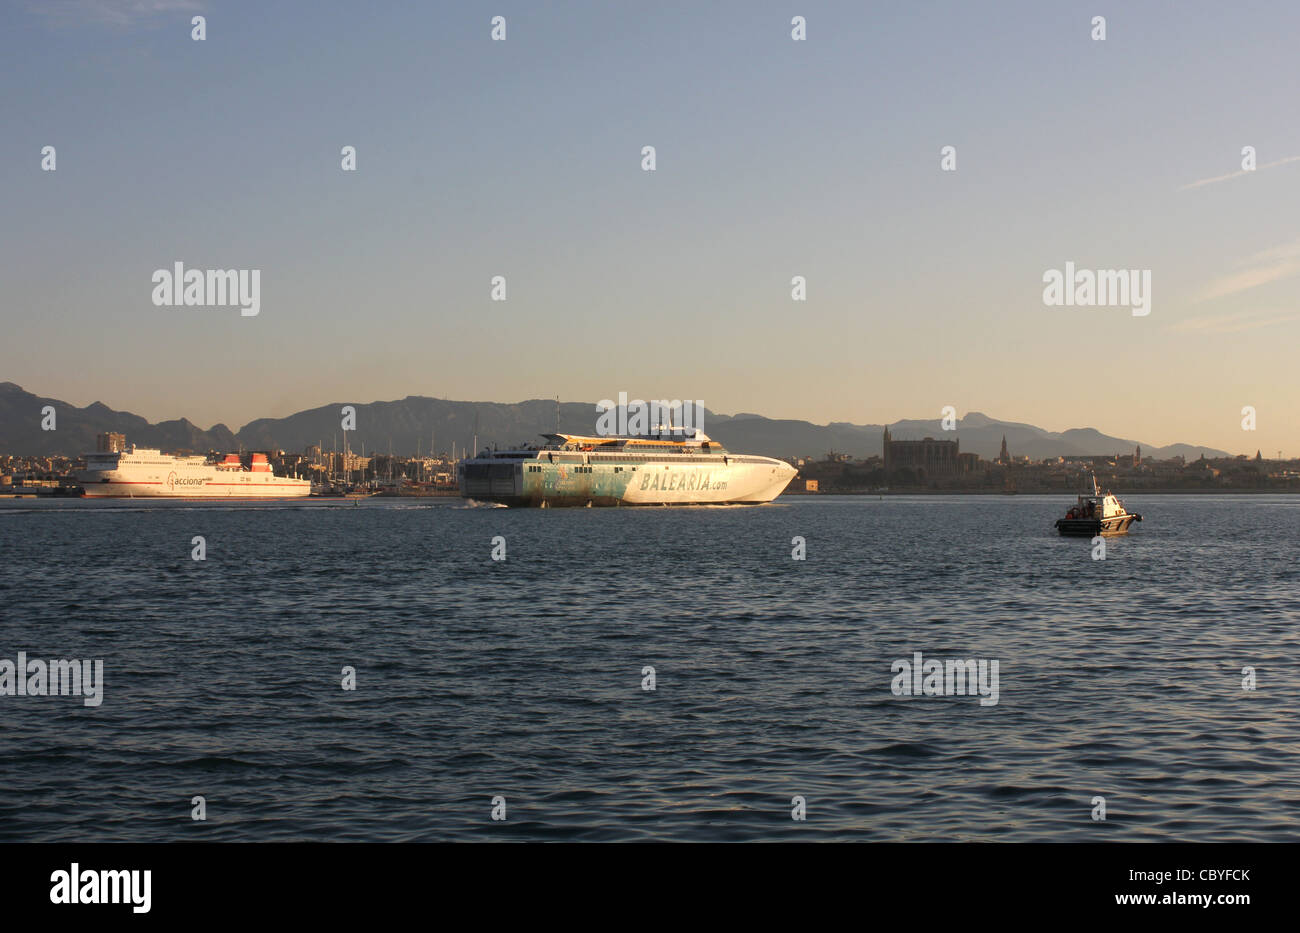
(420, 422)
(75, 428)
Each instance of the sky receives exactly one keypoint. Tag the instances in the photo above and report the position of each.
(775, 158)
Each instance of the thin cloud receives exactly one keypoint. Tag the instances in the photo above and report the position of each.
(110, 12)
(1270, 265)
(1238, 174)
(1234, 323)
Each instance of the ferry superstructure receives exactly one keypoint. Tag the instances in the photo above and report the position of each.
(668, 467)
(144, 472)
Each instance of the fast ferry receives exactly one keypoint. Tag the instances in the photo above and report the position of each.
(1097, 514)
(143, 472)
(670, 466)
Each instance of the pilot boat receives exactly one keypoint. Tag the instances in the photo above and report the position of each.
(1097, 514)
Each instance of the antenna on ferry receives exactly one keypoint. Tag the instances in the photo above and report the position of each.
(557, 414)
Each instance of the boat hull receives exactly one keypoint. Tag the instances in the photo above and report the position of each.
(1091, 527)
(148, 473)
(138, 490)
(545, 483)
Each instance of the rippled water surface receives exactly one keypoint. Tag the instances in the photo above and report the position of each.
(522, 678)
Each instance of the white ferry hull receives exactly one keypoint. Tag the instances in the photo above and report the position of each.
(750, 482)
(572, 482)
(149, 474)
(135, 489)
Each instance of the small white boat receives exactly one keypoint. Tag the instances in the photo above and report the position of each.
(1097, 514)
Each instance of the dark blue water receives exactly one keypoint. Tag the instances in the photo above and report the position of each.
(522, 678)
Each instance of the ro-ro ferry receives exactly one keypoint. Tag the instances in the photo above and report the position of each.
(143, 472)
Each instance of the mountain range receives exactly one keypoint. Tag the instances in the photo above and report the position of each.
(419, 422)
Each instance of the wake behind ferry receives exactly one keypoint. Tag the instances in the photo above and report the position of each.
(671, 466)
(144, 472)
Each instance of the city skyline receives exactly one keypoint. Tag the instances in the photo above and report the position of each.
(775, 158)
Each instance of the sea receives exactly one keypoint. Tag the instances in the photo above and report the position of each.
(443, 670)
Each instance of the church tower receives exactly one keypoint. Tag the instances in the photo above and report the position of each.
(1004, 457)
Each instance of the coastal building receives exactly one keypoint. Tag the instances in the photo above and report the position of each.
(929, 458)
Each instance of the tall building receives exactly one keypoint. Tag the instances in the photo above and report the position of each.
(1003, 456)
(110, 443)
(930, 458)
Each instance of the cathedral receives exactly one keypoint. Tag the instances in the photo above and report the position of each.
(931, 459)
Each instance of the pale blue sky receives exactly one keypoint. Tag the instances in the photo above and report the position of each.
(775, 158)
